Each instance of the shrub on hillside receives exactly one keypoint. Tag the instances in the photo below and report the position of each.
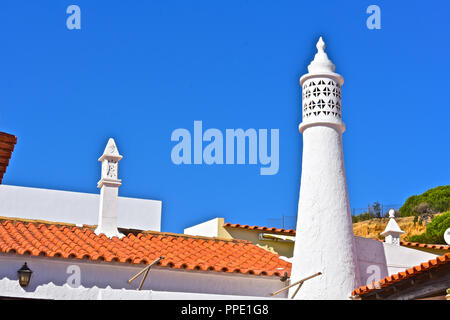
(432, 201)
(435, 230)
(363, 216)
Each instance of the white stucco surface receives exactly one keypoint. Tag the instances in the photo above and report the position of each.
(208, 228)
(53, 278)
(324, 240)
(371, 260)
(399, 258)
(10, 288)
(108, 212)
(378, 259)
(76, 207)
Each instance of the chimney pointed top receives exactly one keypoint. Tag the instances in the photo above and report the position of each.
(320, 45)
(111, 151)
(111, 148)
(110, 164)
(321, 62)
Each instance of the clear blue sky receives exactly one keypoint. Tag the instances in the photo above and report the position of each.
(137, 70)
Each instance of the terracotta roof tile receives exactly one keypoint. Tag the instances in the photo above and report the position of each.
(7, 143)
(180, 251)
(292, 232)
(387, 281)
(425, 245)
(277, 230)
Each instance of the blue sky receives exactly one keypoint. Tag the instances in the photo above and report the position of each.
(138, 70)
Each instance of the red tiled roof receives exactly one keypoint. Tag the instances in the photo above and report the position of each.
(179, 251)
(425, 245)
(292, 233)
(7, 143)
(387, 281)
(279, 230)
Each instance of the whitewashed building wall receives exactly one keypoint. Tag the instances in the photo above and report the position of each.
(51, 280)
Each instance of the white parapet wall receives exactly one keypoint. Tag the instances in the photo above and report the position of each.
(11, 289)
(76, 207)
(208, 228)
(58, 278)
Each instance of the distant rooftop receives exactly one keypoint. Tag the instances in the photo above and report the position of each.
(268, 229)
(7, 143)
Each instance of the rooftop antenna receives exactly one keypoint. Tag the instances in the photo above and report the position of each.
(146, 270)
(299, 283)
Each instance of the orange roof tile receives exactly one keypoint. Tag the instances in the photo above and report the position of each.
(179, 251)
(7, 143)
(292, 232)
(425, 245)
(278, 230)
(387, 281)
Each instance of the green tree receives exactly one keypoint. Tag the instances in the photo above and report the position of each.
(435, 230)
(432, 201)
(376, 208)
(373, 211)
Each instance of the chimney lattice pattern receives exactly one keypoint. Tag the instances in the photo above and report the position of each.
(321, 99)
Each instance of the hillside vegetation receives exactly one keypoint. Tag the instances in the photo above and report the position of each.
(435, 230)
(373, 227)
(430, 202)
(423, 218)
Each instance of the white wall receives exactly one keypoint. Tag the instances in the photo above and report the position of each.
(10, 288)
(76, 207)
(400, 258)
(209, 228)
(50, 275)
(371, 260)
(378, 259)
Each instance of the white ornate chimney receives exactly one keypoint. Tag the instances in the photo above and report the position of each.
(324, 238)
(392, 232)
(109, 184)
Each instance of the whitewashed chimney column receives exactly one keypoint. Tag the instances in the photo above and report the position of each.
(324, 239)
(109, 193)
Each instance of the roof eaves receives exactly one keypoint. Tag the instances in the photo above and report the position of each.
(408, 273)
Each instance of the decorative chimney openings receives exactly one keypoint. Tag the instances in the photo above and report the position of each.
(392, 232)
(321, 99)
(109, 184)
(110, 165)
(321, 92)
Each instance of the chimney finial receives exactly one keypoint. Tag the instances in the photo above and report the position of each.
(392, 213)
(320, 45)
(321, 62)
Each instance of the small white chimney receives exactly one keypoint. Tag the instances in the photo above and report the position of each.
(392, 232)
(109, 184)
